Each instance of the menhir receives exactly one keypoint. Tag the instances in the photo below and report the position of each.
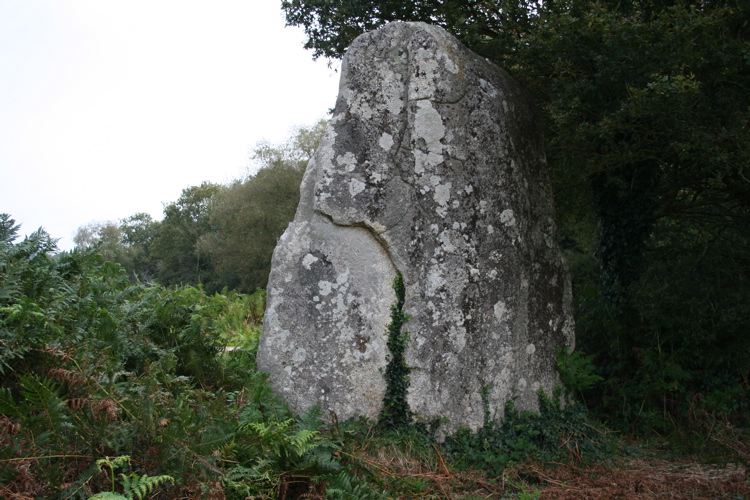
(431, 167)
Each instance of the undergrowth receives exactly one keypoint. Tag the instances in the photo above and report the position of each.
(557, 433)
(93, 366)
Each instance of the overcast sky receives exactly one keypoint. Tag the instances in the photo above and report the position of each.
(112, 107)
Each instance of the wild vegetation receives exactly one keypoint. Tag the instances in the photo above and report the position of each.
(113, 389)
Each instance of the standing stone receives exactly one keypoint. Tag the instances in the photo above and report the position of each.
(431, 166)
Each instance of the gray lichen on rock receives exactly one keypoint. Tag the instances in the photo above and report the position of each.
(431, 166)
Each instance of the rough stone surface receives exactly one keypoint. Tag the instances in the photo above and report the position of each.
(432, 166)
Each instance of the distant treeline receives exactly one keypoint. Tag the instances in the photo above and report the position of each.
(218, 236)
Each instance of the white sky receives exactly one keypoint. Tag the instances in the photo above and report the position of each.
(112, 107)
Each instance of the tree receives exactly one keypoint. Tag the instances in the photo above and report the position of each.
(180, 259)
(295, 152)
(248, 217)
(646, 111)
(106, 239)
(128, 243)
(138, 233)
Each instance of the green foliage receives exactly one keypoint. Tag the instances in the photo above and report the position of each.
(97, 366)
(133, 485)
(343, 486)
(332, 25)
(395, 412)
(646, 116)
(247, 219)
(557, 433)
(93, 365)
(576, 371)
(175, 246)
(249, 215)
(269, 450)
(138, 233)
(108, 495)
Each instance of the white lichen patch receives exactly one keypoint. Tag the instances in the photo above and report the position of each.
(508, 218)
(530, 349)
(457, 337)
(342, 278)
(445, 241)
(386, 141)
(308, 260)
(392, 89)
(501, 312)
(428, 125)
(435, 281)
(348, 161)
(356, 186)
(426, 161)
(359, 104)
(488, 88)
(299, 356)
(448, 62)
(442, 196)
(324, 288)
(422, 83)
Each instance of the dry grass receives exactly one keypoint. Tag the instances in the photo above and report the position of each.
(641, 479)
(634, 479)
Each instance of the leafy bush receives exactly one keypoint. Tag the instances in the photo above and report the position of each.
(95, 366)
(576, 371)
(557, 433)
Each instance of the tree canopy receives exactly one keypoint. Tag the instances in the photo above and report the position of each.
(646, 113)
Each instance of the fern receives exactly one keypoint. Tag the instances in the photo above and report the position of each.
(133, 484)
(114, 462)
(46, 412)
(108, 495)
(138, 486)
(260, 479)
(343, 486)
(8, 406)
(303, 441)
